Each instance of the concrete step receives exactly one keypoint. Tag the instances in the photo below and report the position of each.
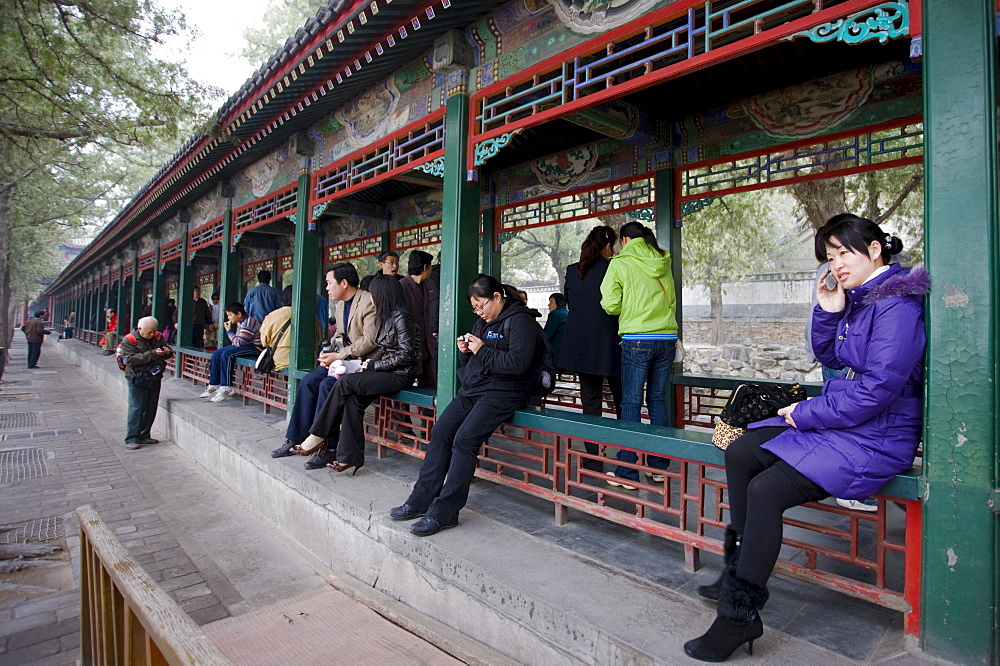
(587, 592)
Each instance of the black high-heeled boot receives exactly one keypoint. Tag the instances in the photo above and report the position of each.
(730, 558)
(738, 621)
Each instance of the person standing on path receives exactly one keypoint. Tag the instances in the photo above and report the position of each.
(145, 355)
(202, 318)
(34, 331)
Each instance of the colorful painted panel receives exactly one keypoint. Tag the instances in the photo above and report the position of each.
(405, 98)
(406, 149)
(420, 209)
(265, 176)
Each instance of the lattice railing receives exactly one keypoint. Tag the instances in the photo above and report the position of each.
(170, 251)
(274, 206)
(362, 247)
(116, 275)
(418, 236)
(128, 270)
(603, 199)
(205, 235)
(250, 270)
(270, 388)
(841, 154)
(203, 279)
(286, 262)
(404, 150)
(860, 554)
(147, 260)
(682, 36)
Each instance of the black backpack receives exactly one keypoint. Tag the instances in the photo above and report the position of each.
(543, 364)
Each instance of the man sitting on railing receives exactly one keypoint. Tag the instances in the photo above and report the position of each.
(354, 311)
(244, 334)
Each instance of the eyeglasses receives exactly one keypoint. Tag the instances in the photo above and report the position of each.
(478, 309)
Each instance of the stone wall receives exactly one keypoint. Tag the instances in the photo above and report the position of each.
(751, 348)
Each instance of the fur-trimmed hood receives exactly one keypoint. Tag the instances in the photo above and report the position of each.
(895, 282)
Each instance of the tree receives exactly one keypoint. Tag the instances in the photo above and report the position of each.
(80, 94)
(728, 241)
(281, 19)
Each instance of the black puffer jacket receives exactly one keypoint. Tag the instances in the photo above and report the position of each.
(398, 350)
(504, 364)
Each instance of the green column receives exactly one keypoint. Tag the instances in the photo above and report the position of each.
(229, 270)
(307, 269)
(159, 292)
(668, 234)
(185, 300)
(136, 309)
(959, 589)
(491, 252)
(120, 329)
(459, 246)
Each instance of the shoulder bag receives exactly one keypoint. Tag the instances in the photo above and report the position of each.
(749, 403)
(265, 361)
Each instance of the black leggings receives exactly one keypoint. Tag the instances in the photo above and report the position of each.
(761, 487)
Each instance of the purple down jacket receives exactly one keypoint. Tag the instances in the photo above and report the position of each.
(863, 431)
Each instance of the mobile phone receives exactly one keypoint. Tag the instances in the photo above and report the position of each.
(830, 282)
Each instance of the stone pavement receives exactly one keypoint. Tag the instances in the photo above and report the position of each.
(61, 446)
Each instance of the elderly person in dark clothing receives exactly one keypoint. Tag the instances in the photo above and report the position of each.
(145, 355)
(202, 317)
(34, 331)
(421, 294)
(555, 325)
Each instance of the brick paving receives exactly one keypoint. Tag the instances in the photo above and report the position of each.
(86, 463)
(209, 551)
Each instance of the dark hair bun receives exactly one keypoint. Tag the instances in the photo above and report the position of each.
(893, 244)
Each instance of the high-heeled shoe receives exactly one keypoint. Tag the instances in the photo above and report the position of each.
(738, 621)
(723, 638)
(343, 467)
(308, 445)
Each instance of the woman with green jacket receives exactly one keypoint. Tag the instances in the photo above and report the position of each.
(639, 288)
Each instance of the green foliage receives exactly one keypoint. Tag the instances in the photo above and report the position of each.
(86, 110)
(281, 19)
(733, 238)
(539, 256)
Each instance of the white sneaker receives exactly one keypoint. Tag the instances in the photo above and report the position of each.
(223, 393)
(618, 484)
(209, 391)
(859, 505)
(654, 477)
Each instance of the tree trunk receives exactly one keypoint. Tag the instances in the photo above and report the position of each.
(715, 313)
(821, 199)
(6, 320)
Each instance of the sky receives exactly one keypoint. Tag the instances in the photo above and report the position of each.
(212, 57)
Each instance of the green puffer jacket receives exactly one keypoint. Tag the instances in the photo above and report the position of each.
(631, 291)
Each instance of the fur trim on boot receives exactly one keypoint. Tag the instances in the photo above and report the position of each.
(738, 621)
(730, 558)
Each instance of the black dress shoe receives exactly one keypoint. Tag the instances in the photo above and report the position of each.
(284, 450)
(427, 526)
(405, 512)
(321, 458)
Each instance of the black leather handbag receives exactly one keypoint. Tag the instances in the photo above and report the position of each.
(756, 402)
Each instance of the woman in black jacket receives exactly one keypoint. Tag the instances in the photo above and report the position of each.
(591, 346)
(497, 377)
(392, 367)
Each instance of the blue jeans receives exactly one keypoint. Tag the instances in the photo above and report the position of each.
(646, 364)
(220, 368)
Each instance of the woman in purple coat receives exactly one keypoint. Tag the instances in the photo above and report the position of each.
(848, 442)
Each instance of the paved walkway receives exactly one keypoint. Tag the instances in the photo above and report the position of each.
(61, 446)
